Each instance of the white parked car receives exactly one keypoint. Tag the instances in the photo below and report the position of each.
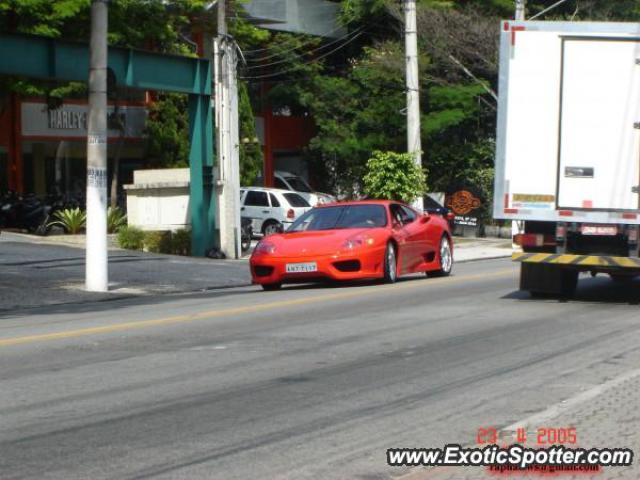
(271, 209)
(290, 181)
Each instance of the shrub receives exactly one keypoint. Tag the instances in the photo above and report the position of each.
(181, 242)
(157, 242)
(176, 243)
(72, 220)
(131, 238)
(116, 219)
(394, 176)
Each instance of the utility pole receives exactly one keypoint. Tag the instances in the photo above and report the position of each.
(226, 98)
(414, 145)
(520, 6)
(96, 262)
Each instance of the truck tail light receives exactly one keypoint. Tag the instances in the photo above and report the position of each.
(561, 231)
(291, 214)
(632, 235)
(529, 239)
(533, 240)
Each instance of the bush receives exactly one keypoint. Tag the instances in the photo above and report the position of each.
(394, 176)
(181, 242)
(176, 243)
(116, 219)
(72, 220)
(131, 238)
(157, 242)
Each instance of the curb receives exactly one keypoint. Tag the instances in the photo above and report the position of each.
(479, 259)
(113, 296)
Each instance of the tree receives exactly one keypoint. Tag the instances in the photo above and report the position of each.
(250, 150)
(394, 176)
(167, 131)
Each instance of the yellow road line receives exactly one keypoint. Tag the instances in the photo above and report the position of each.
(139, 324)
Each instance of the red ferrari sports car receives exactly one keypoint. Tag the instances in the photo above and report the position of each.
(354, 240)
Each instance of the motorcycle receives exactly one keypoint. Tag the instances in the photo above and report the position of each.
(29, 212)
(245, 234)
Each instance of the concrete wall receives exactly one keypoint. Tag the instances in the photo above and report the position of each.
(159, 199)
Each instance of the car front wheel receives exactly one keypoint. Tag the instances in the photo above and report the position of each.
(390, 264)
(445, 259)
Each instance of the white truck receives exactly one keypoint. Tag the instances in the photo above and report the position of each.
(568, 150)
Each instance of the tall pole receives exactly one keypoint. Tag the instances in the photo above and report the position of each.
(414, 145)
(520, 6)
(228, 143)
(96, 262)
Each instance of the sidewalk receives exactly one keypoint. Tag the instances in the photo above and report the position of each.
(35, 271)
(43, 271)
(467, 249)
(605, 416)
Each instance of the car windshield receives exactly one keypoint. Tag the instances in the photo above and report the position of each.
(298, 184)
(296, 200)
(338, 217)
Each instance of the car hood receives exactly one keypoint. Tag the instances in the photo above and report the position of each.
(315, 243)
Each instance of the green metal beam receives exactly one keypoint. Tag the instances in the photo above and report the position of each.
(42, 57)
(47, 58)
(202, 198)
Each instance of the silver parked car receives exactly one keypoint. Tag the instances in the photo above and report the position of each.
(295, 183)
(271, 209)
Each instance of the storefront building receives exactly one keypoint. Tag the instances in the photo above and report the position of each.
(43, 150)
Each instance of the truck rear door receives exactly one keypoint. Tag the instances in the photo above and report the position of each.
(599, 152)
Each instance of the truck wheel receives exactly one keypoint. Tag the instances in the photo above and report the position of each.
(621, 278)
(569, 282)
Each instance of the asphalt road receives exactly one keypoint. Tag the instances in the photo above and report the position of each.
(304, 383)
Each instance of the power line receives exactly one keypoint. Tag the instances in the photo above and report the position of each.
(321, 47)
(326, 34)
(271, 75)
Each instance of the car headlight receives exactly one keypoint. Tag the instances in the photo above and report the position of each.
(357, 242)
(265, 248)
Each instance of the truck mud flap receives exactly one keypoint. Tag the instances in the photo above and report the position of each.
(548, 279)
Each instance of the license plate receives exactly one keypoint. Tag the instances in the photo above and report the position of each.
(605, 230)
(302, 267)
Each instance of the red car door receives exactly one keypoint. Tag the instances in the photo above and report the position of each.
(416, 232)
(407, 232)
(429, 237)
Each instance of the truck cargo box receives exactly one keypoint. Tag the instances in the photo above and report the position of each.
(568, 137)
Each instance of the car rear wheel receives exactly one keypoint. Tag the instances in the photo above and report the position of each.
(445, 259)
(270, 227)
(390, 264)
(271, 286)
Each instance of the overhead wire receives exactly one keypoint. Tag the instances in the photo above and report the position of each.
(276, 74)
(309, 52)
(325, 34)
